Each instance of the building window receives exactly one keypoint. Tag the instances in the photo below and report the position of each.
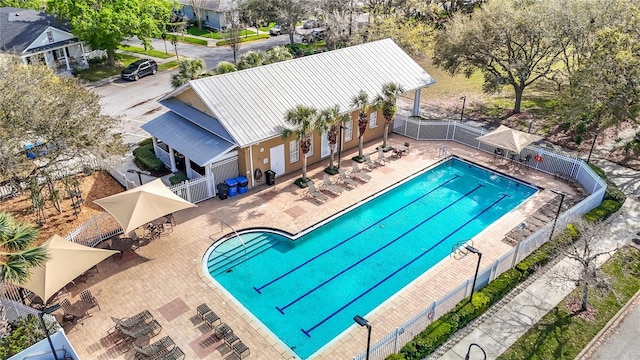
(348, 131)
(310, 153)
(50, 36)
(294, 151)
(373, 120)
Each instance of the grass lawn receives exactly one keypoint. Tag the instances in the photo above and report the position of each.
(266, 28)
(245, 39)
(139, 50)
(168, 65)
(97, 72)
(562, 334)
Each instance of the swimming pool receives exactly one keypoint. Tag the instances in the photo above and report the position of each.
(306, 291)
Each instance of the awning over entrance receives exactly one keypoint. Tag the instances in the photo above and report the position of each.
(194, 142)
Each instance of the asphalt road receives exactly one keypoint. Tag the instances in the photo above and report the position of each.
(136, 102)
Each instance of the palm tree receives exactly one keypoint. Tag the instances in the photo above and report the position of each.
(361, 101)
(330, 120)
(277, 54)
(190, 69)
(251, 59)
(302, 122)
(387, 103)
(17, 252)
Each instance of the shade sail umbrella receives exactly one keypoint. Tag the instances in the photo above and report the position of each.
(509, 139)
(136, 207)
(67, 261)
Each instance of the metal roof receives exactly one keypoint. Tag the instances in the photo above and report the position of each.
(194, 142)
(197, 117)
(251, 104)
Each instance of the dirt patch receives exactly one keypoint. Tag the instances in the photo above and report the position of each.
(92, 187)
(574, 306)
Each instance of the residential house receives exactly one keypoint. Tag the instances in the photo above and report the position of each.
(215, 13)
(231, 124)
(38, 38)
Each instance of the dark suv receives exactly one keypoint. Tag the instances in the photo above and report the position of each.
(139, 68)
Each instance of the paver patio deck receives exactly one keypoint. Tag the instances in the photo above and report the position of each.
(166, 275)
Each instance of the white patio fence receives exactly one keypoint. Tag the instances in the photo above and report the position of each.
(553, 163)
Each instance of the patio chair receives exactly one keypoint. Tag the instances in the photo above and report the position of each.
(202, 310)
(131, 322)
(170, 223)
(65, 304)
(154, 350)
(346, 180)
(222, 330)
(330, 186)
(87, 296)
(212, 319)
(369, 164)
(174, 354)
(358, 174)
(382, 159)
(241, 350)
(315, 193)
(230, 339)
(524, 161)
(150, 329)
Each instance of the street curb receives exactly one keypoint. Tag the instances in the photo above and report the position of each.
(585, 353)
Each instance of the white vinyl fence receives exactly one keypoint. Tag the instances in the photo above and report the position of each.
(553, 163)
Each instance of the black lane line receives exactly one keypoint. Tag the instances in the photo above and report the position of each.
(306, 332)
(281, 309)
(258, 289)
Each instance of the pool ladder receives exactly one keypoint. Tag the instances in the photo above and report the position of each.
(244, 246)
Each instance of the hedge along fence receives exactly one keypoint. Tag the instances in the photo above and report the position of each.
(464, 312)
(145, 155)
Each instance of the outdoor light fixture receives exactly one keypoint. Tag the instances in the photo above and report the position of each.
(464, 99)
(49, 310)
(557, 212)
(466, 357)
(363, 322)
(475, 277)
(595, 136)
(340, 145)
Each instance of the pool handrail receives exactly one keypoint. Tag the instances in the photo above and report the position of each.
(244, 246)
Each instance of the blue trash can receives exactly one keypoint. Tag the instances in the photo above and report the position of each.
(243, 184)
(233, 186)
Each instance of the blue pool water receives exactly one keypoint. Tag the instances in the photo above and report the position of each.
(307, 290)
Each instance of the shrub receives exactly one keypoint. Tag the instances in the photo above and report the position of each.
(602, 212)
(147, 141)
(395, 357)
(612, 192)
(506, 281)
(24, 333)
(178, 178)
(144, 154)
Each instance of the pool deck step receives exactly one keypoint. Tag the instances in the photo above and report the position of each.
(240, 253)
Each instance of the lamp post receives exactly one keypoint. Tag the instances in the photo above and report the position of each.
(49, 310)
(464, 99)
(164, 39)
(595, 136)
(340, 145)
(475, 277)
(466, 357)
(139, 174)
(553, 227)
(363, 322)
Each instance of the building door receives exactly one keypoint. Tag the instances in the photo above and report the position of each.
(277, 159)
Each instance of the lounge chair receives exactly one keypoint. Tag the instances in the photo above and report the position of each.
(370, 164)
(202, 310)
(241, 350)
(87, 296)
(346, 180)
(129, 323)
(222, 330)
(230, 339)
(330, 186)
(154, 350)
(150, 329)
(174, 354)
(212, 319)
(399, 152)
(315, 193)
(382, 159)
(358, 174)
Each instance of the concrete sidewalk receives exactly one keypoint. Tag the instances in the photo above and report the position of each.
(500, 330)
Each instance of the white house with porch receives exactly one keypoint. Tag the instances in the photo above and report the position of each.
(38, 38)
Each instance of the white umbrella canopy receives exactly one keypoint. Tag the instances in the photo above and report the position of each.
(509, 139)
(136, 207)
(67, 261)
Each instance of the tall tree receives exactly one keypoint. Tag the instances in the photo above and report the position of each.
(25, 4)
(361, 102)
(412, 35)
(290, 12)
(331, 121)
(60, 117)
(105, 24)
(386, 102)
(509, 41)
(190, 69)
(251, 59)
(301, 122)
(198, 9)
(277, 54)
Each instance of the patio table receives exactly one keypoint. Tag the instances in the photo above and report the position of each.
(78, 310)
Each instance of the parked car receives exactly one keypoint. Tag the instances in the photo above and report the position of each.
(277, 30)
(139, 68)
(310, 24)
(314, 35)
